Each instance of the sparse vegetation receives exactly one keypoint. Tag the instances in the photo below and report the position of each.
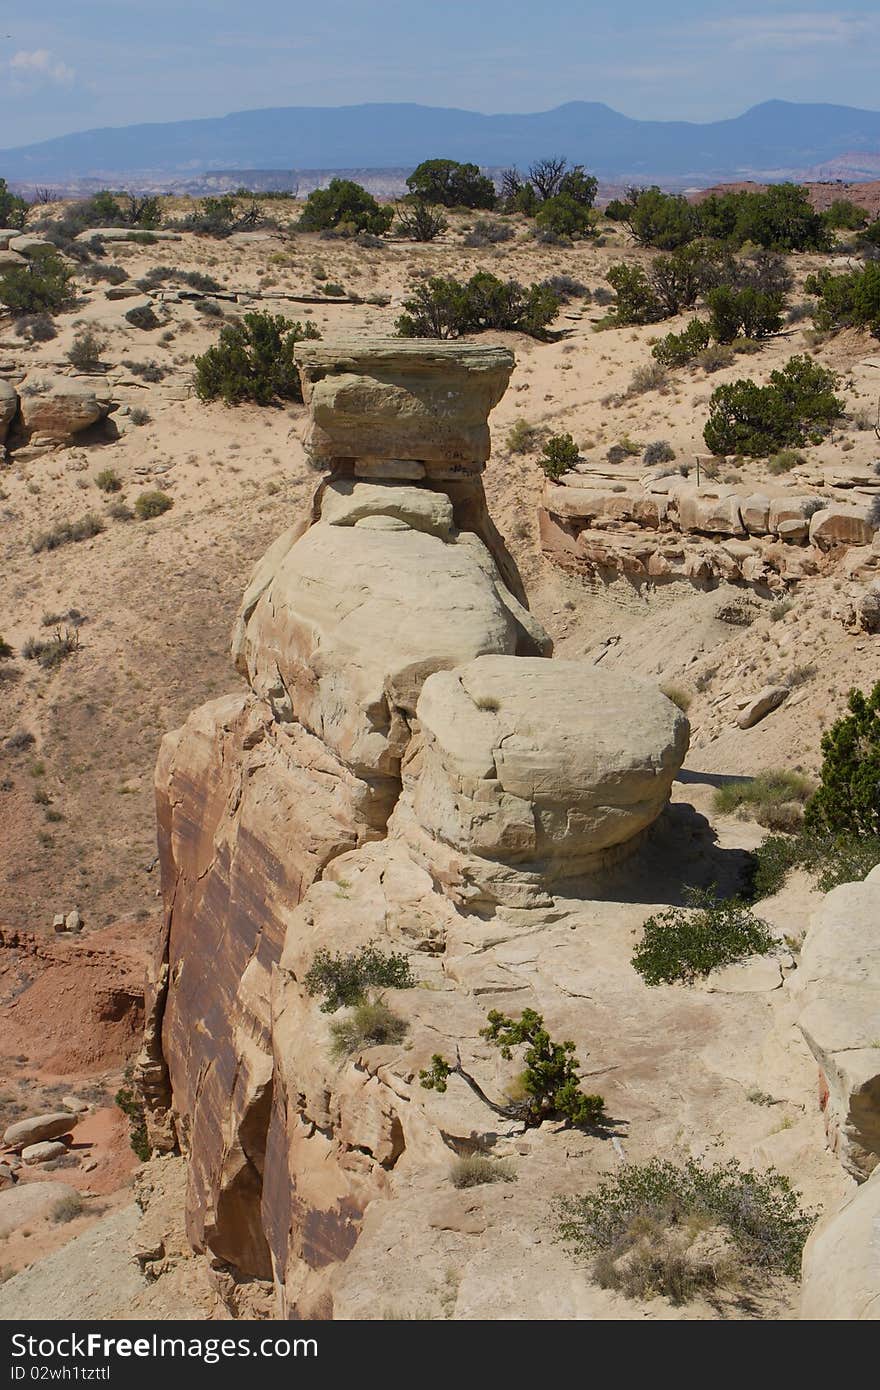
(683, 943)
(108, 480)
(131, 1105)
(829, 859)
(371, 1024)
(774, 799)
(67, 1209)
(473, 1170)
(847, 799)
(68, 531)
(850, 300)
(345, 980)
(152, 504)
(253, 361)
(50, 652)
(419, 221)
(85, 351)
(647, 1229)
(550, 1083)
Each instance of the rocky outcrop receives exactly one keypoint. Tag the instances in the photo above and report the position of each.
(405, 764)
(662, 528)
(841, 1264)
(838, 984)
(8, 411)
(56, 411)
(39, 1128)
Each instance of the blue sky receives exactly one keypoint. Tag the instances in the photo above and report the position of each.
(69, 65)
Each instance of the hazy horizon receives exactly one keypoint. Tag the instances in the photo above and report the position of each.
(110, 63)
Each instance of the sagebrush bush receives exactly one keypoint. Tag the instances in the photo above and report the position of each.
(473, 1170)
(67, 1209)
(488, 231)
(524, 438)
(650, 376)
(371, 1024)
(253, 361)
(108, 480)
(152, 504)
(344, 980)
(37, 328)
(774, 799)
(83, 529)
(684, 943)
(559, 455)
(642, 1226)
(659, 451)
(50, 652)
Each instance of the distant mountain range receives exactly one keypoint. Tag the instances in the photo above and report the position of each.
(776, 139)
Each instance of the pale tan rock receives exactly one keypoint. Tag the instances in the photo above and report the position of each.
(346, 502)
(63, 409)
(709, 513)
(762, 704)
(755, 513)
(838, 986)
(27, 1202)
(840, 1279)
(841, 526)
(520, 765)
(38, 1128)
(351, 625)
(43, 1152)
(8, 408)
(389, 398)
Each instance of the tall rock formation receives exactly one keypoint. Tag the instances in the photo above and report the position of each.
(404, 768)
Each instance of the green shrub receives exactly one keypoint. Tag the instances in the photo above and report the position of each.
(152, 504)
(664, 220)
(345, 979)
(525, 438)
(132, 1106)
(559, 455)
(650, 376)
(563, 215)
(5, 649)
(67, 531)
(797, 406)
(107, 209)
(829, 859)
(253, 361)
(550, 1082)
(565, 287)
(120, 511)
(678, 349)
(418, 221)
(475, 1169)
(43, 285)
(446, 308)
(13, 210)
(345, 207)
(37, 328)
(847, 799)
(108, 480)
(684, 943)
(848, 300)
(636, 301)
(748, 313)
(779, 218)
(138, 416)
(451, 184)
(85, 351)
(636, 1221)
(845, 215)
(370, 1024)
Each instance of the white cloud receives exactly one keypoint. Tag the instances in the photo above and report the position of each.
(39, 65)
(792, 31)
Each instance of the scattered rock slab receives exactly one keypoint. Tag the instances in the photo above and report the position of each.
(38, 1128)
(762, 704)
(27, 1202)
(43, 1152)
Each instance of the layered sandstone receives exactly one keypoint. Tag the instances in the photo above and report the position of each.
(406, 765)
